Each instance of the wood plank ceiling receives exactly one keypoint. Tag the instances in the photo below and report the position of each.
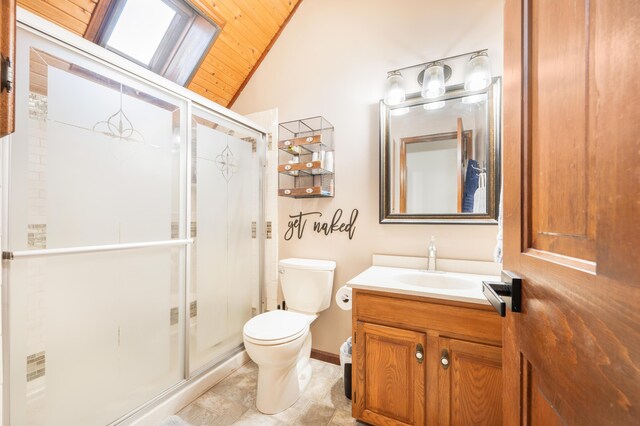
(248, 30)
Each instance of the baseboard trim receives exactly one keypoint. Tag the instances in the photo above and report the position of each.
(325, 356)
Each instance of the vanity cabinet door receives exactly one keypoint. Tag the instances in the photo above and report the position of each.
(390, 375)
(469, 383)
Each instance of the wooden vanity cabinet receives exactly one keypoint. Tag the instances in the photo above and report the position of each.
(470, 390)
(394, 379)
(420, 361)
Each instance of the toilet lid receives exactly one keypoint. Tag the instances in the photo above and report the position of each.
(276, 326)
(312, 264)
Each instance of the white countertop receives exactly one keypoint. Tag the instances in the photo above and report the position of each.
(461, 287)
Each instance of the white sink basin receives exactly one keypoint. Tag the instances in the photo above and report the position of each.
(438, 280)
(441, 285)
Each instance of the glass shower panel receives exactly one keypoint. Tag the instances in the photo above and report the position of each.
(95, 335)
(101, 207)
(224, 288)
(100, 160)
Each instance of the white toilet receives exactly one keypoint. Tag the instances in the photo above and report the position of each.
(280, 341)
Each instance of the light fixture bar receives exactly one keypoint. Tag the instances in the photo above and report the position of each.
(438, 60)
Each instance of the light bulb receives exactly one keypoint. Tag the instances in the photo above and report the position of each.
(394, 89)
(477, 74)
(433, 81)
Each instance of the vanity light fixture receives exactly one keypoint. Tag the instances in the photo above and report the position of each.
(435, 74)
(433, 81)
(394, 90)
(477, 74)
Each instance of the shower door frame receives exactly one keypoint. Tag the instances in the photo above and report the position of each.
(50, 32)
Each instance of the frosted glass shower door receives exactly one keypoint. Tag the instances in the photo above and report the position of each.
(224, 291)
(100, 323)
(97, 225)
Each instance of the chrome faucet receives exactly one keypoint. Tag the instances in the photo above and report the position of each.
(432, 257)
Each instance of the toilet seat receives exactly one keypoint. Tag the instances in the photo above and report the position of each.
(276, 327)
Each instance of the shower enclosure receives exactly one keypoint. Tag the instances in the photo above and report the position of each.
(131, 234)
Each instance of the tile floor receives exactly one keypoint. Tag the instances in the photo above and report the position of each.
(232, 401)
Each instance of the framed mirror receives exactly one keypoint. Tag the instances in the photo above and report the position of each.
(440, 158)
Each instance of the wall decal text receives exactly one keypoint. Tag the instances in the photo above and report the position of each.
(298, 222)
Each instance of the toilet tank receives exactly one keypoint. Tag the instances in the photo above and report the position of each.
(307, 284)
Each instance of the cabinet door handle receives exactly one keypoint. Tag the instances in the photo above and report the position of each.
(419, 353)
(444, 359)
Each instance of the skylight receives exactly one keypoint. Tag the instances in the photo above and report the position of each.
(169, 37)
(140, 28)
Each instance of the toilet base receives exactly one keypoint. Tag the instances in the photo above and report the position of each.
(279, 387)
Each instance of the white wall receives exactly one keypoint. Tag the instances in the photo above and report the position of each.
(332, 60)
(432, 168)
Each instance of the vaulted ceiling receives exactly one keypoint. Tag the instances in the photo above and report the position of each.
(249, 29)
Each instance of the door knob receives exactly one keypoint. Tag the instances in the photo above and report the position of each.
(444, 359)
(419, 353)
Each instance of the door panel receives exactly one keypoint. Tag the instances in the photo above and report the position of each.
(470, 389)
(390, 386)
(539, 409)
(559, 82)
(571, 192)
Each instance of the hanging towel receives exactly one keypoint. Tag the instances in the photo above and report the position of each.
(480, 196)
(470, 186)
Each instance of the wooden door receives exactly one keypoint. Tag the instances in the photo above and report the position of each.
(390, 385)
(572, 211)
(469, 383)
(7, 58)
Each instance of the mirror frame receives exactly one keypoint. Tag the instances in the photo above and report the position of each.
(493, 92)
